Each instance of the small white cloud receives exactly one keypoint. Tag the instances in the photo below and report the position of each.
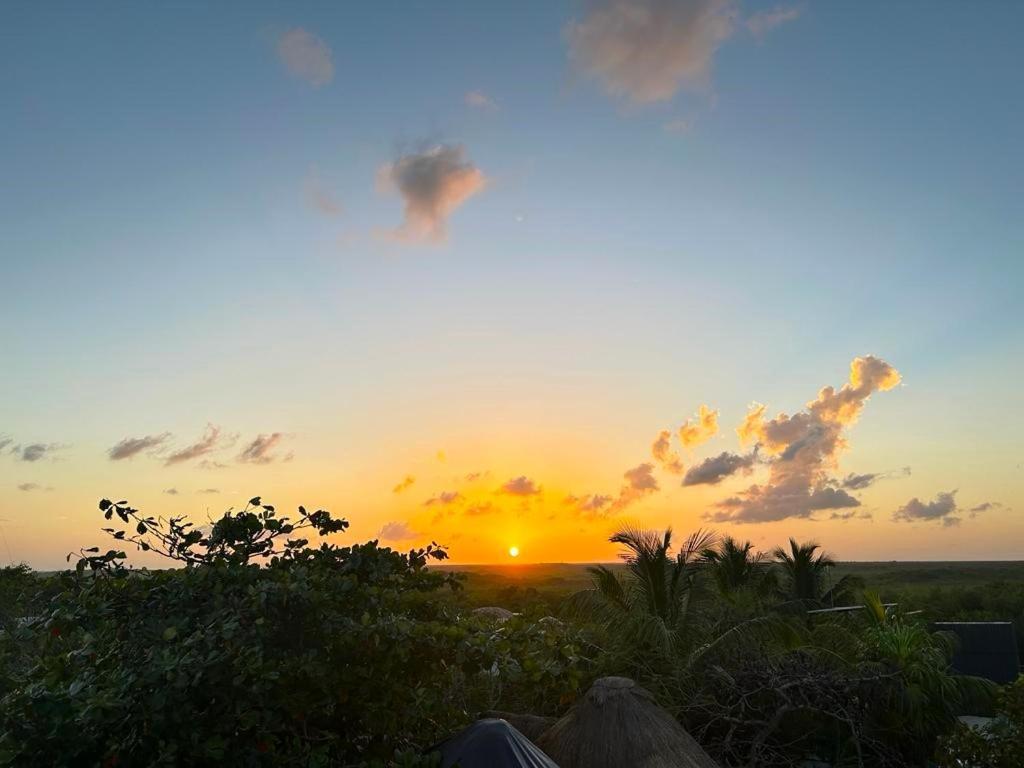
(397, 531)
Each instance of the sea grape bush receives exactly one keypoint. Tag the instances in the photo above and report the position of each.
(260, 650)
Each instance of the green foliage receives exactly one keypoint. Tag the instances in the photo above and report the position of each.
(325, 656)
(999, 744)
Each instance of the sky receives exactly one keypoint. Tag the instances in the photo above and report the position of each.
(503, 275)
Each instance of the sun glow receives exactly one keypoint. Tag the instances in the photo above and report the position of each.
(513, 551)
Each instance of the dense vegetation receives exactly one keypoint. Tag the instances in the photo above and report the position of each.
(263, 648)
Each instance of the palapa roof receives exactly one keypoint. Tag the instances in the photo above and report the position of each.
(617, 724)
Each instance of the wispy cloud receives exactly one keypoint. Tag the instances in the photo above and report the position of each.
(761, 23)
(639, 482)
(261, 449)
(320, 198)
(407, 481)
(444, 498)
(646, 50)
(306, 56)
(132, 446)
(29, 487)
(171, 491)
(433, 184)
(209, 442)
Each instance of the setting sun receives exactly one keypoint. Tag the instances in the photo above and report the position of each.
(513, 551)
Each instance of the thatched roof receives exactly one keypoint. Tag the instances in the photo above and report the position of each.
(493, 612)
(531, 726)
(618, 723)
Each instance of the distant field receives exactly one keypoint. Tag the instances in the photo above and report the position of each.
(914, 583)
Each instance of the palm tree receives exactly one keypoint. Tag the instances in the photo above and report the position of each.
(653, 604)
(805, 575)
(737, 569)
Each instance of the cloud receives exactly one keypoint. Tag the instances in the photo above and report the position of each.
(699, 430)
(27, 487)
(445, 498)
(472, 477)
(171, 491)
(132, 446)
(319, 198)
(207, 443)
(306, 57)
(405, 483)
(5, 441)
(761, 23)
(640, 482)
(716, 468)
(943, 507)
(480, 100)
(521, 486)
(662, 451)
(35, 451)
(828, 497)
(985, 506)
(260, 450)
(589, 505)
(483, 508)
(433, 184)
(397, 531)
(860, 482)
(646, 50)
(850, 514)
(209, 491)
(803, 449)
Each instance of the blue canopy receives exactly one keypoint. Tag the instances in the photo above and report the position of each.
(492, 743)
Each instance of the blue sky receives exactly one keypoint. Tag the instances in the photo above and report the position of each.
(846, 183)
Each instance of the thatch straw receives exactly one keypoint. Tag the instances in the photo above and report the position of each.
(531, 726)
(616, 724)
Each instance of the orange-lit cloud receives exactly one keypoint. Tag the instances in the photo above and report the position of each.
(804, 449)
(662, 451)
(433, 184)
(697, 431)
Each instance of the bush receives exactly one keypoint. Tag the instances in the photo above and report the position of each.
(333, 655)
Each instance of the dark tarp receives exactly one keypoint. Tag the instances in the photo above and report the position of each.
(984, 649)
(491, 743)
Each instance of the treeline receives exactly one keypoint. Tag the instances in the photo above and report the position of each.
(271, 645)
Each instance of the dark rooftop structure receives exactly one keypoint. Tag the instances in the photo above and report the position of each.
(984, 649)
